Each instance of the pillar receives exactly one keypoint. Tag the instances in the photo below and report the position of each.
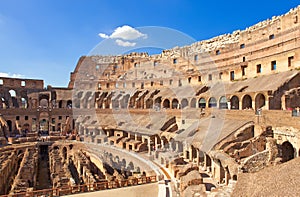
(135, 137)
(197, 157)
(149, 146)
(162, 144)
(283, 104)
(155, 142)
(190, 153)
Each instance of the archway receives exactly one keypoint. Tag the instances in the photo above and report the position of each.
(212, 102)
(9, 124)
(157, 102)
(202, 103)
(234, 103)
(14, 100)
(24, 103)
(193, 103)
(60, 104)
(288, 151)
(43, 126)
(69, 104)
(223, 103)
(149, 103)
(260, 101)
(3, 103)
(44, 103)
(174, 104)
(247, 102)
(166, 103)
(64, 151)
(184, 103)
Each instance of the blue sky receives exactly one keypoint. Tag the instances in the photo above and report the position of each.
(43, 39)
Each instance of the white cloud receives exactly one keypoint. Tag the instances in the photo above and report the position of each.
(125, 32)
(125, 43)
(11, 75)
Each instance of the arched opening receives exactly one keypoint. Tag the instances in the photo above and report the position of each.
(223, 103)
(174, 104)
(3, 103)
(44, 103)
(149, 103)
(260, 101)
(69, 104)
(64, 151)
(207, 160)
(247, 102)
(212, 102)
(234, 177)
(202, 103)
(44, 127)
(24, 103)
(288, 151)
(157, 102)
(166, 104)
(9, 124)
(124, 101)
(184, 103)
(234, 103)
(13, 98)
(193, 103)
(172, 144)
(60, 104)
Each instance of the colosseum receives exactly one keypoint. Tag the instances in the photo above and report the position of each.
(220, 117)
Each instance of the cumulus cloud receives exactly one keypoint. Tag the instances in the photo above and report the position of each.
(125, 43)
(11, 75)
(125, 32)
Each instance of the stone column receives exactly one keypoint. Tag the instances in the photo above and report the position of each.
(177, 147)
(135, 137)
(197, 157)
(149, 146)
(155, 142)
(191, 153)
(162, 144)
(283, 103)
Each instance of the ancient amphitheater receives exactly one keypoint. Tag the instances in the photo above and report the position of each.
(220, 117)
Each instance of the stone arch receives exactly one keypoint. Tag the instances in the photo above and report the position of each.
(247, 102)
(3, 103)
(288, 151)
(24, 103)
(9, 125)
(202, 103)
(175, 103)
(124, 101)
(69, 104)
(64, 153)
(157, 102)
(193, 103)
(234, 177)
(172, 144)
(44, 103)
(223, 103)
(13, 96)
(212, 102)
(234, 102)
(149, 103)
(260, 101)
(207, 160)
(166, 103)
(184, 103)
(60, 104)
